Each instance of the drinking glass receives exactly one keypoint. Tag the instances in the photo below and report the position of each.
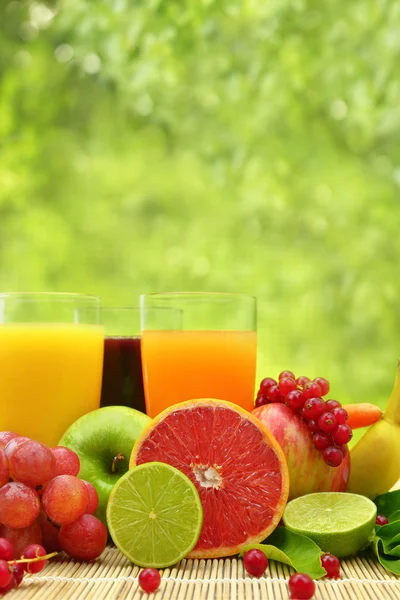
(51, 358)
(212, 355)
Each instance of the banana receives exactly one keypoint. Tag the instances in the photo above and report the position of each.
(375, 459)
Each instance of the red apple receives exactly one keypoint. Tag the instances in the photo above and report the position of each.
(308, 472)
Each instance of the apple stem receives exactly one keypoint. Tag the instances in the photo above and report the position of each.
(114, 465)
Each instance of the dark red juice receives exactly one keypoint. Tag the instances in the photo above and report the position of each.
(122, 373)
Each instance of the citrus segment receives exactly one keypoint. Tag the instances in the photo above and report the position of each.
(237, 466)
(340, 523)
(154, 515)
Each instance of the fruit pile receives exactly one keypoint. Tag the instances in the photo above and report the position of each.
(42, 501)
(326, 420)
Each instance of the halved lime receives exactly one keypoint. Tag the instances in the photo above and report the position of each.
(339, 522)
(154, 515)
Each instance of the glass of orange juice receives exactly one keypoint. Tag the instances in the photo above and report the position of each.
(51, 359)
(212, 355)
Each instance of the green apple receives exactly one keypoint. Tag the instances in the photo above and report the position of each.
(103, 439)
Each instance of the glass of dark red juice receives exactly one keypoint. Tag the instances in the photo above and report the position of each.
(122, 383)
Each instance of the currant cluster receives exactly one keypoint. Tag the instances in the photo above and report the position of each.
(33, 560)
(42, 501)
(326, 420)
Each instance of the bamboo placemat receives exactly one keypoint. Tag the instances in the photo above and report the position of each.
(115, 578)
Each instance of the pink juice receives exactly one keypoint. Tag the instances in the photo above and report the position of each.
(122, 383)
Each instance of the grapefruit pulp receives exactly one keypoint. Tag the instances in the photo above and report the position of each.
(233, 460)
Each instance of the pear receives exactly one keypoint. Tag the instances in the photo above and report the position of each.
(375, 459)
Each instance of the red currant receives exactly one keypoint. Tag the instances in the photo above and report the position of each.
(6, 549)
(331, 564)
(6, 574)
(322, 441)
(255, 562)
(260, 401)
(295, 400)
(331, 404)
(287, 385)
(342, 435)
(341, 415)
(313, 408)
(333, 456)
(381, 520)
(301, 381)
(149, 580)
(313, 426)
(19, 572)
(34, 551)
(301, 586)
(274, 394)
(312, 390)
(288, 374)
(327, 422)
(323, 384)
(266, 384)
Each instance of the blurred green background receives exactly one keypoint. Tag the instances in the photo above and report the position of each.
(218, 145)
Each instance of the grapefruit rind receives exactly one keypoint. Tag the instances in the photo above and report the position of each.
(268, 439)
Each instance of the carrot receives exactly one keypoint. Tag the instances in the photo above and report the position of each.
(363, 414)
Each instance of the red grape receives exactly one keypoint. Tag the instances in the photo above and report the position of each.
(333, 456)
(13, 445)
(6, 549)
(149, 580)
(260, 400)
(6, 574)
(274, 395)
(5, 437)
(331, 564)
(34, 551)
(32, 463)
(342, 435)
(20, 538)
(49, 532)
(4, 470)
(93, 498)
(19, 505)
(327, 422)
(322, 440)
(67, 461)
(85, 539)
(341, 415)
(65, 499)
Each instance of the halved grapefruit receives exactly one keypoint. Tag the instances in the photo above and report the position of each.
(233, 460)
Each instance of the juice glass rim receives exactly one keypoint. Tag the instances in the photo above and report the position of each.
(50, 296)
(206, 295)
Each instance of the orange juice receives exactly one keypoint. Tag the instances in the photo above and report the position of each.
(183, 365)
(50, 374)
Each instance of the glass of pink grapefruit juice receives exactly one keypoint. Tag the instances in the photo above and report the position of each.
(51, 358)
(212, 355)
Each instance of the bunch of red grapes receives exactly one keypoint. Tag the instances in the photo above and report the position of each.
(326, 420)
(44, 507)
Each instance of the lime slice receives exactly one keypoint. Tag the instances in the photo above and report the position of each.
(154, 515)
(339, 522)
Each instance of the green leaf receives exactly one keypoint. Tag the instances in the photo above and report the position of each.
(386, 546)
(388, 504)
(390, 563)
(293, 549)
(394, 516)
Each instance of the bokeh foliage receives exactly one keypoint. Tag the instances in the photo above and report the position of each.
(229, 145)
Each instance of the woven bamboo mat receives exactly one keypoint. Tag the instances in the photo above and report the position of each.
(115, 578)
